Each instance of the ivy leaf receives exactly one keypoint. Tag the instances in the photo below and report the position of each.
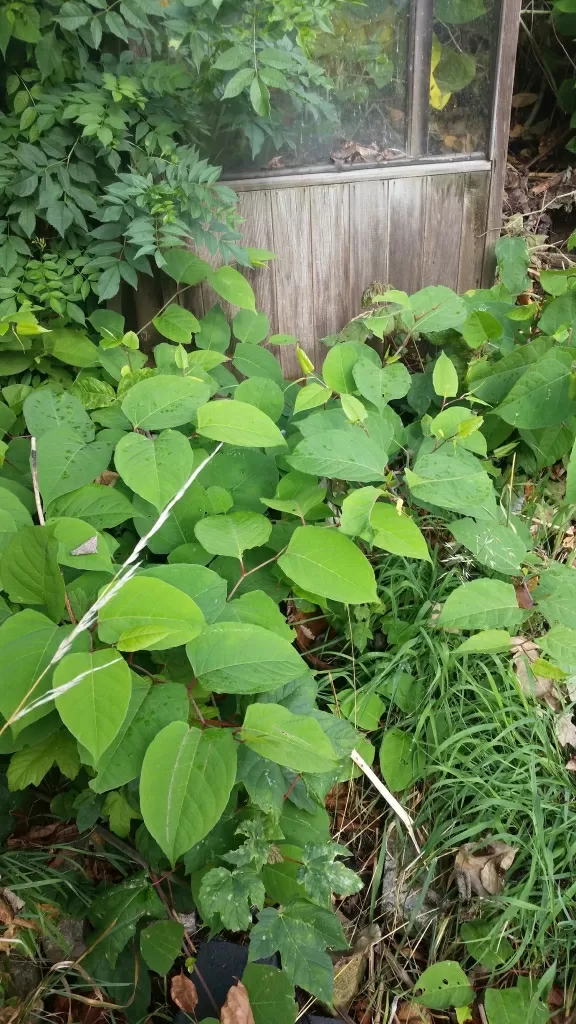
(233, 534)
(240, 658)
(160, 944)
(164, 401)
(66, 462)
(325, 562)
(116, 913)
(231, 895)
(144, 604)
(94, 708)
(29, 766)
(186, 780)
(481, 604)
(295, 741)
(155, 468)
(229, 284)
(300, 933)
(30, 571)
(177, 324)
(150, 710)
(238, 424)
(321, 874)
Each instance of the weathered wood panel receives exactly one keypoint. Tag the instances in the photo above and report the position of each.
(474, 212)
(256, 209)
(442, 230)
(368, 237)
(406, 212)
(295, 299)
(330, 225)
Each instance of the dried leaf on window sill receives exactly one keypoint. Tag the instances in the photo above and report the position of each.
(237, 1009)
(482, 870)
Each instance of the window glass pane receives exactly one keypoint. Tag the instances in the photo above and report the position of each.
(350, 109)
(465, 34)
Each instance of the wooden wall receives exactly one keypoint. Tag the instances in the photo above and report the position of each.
(333, 238)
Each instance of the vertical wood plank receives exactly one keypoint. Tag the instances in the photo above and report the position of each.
(442, 229)
(368, 238)
(472, 243)
(257, 232)
(330, 218)
(293, 282)
(406, 217)
(503, 70)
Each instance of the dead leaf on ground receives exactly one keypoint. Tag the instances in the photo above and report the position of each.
(183, 992)
(237, 1009)
(412, 1013)
(482, 870)
(524, 99)
(524, 653)
(565, 730)
(524, 598)
(348, 977)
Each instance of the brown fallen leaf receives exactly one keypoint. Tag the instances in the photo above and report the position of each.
(571, 764)
(237, 1009)
(524, 653)
(482, 870)
(412, 1013)
(108, 478)
(183, 992)
(524, 99)
(565, 730)
(348, 977)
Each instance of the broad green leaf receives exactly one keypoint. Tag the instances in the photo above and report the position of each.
(559, 315)
(270, 993)
(45, 410)
(214, 331)
(299, 826)
(498, 547)
(486, 945)
(75, 535)
(570, 494)
(338, 367)
(178, 529)
(264, 394)
(279, 877)
(203, 585)
(229, 284)
(489, 641)
(184, 266)
(442, 986)
(160, 944)
(401, 759)
(460, 425)
(550, 444)
(29, 766)
(66, 462)
(177, 324)
(116, 912)
(145, 603)
(232, 657)
(155, 468)
(233, 58)
(435, 308)
(480, 327)
(94, 708)
(560, 644)
(541, 398)
(556, 595)
(325, 562)
(396, 532)
(356, 509)
(28, 642)
(363, 708)
(120, 814)
(299, 495)
(254, 361)
(514, 1006)
(101, 506)
(164, 401)
(300, 932)
(265, 782)
(346, 454)
(238, 424)
(186, 781)
(258, 609)
(250, 327)
(150, 710)
(233, 534)
(311, 396)
(445, 377)
(513, 258)
(481, 604)
(355, 411)
(454, 480)
(30, 572)
(295, 741)
(495, 380)
(72, 347)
